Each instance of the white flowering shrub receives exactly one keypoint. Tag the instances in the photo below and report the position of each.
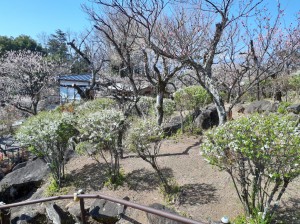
(169, 107)
(262, 155)
(144, 137)
(47, 135)
(99, 133)
(146, 105)
(142, 134)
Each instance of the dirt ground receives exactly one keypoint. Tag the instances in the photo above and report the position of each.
(208, 194)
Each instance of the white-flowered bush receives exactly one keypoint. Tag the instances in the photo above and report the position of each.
(101, 126)
(99, 133)
(262, 155)
(142, 134)
(144, 137)
(47, 135)
(146, 105)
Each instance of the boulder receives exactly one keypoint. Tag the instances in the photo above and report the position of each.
(2, 174)
(29, 214)
(261, 107)
(105, 211)
(240, 108)
(19, 165)
(207, 118)
(34, 213)
(21, 182)
(75, 212)
(57, 215)
(156, 219)
(294, 108)
(172, 126)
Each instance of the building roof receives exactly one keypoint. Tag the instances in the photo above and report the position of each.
(75, 77)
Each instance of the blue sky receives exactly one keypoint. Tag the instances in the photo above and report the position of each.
(33, 17)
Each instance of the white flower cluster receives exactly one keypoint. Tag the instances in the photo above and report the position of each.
(101, 125)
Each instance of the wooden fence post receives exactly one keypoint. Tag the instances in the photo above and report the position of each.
(81, 202)
(4, 216)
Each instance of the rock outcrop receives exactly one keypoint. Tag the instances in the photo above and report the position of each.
(105, 211)
(21, 182)
(57, 215)
(207, 118)
(294, 109)
(156, 219)
(261, 107)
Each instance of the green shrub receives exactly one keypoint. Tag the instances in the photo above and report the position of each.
(147, 106)
(173, 194)
(96, 105)
(294, 82)
(54, 189)
(191, 97)
(119, 181)
(261, 154)
(282, 107)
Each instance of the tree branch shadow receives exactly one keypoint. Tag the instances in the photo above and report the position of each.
(289, 214)
(142, 179)
(185, 152)
(196, 194)
(91, 176)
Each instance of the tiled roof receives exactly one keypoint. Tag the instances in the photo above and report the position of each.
(73, 77)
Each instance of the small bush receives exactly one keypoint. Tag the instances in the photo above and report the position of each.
(191, 97)
(282, 107)
(96, 105)
(173, 195)
(254, 219)
(119, 181)
(261, 154)
(54, 189)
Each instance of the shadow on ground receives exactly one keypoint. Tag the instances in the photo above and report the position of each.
(185, 152)
(198, 194)
(142, 179)
(289, 214)
(91, 176)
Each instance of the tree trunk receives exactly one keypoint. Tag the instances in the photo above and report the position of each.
(221, 110)
(208, 84)
(159, 107)
(34, 108)
(257, 90)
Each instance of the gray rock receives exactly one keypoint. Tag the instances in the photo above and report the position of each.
(19, 165)
(20, 182)
(75, 212)
(207, 118)
(261, 107)
(57, 215)
(172, 126)
(2, 174)
(294, 109)
(28, 214)
(35, 213)
(156, 219)
(105, 211)
(240, 108)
